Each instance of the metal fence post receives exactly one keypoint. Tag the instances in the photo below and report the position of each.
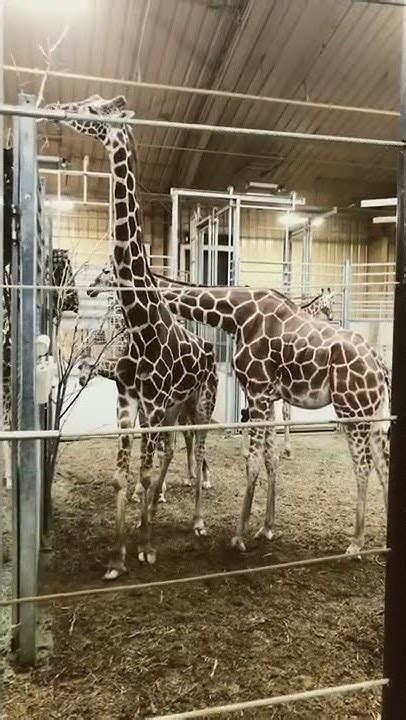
(2, 445)
(175, 235)
(29, 457)
(345, 320)
(394, 695)
(287, 261)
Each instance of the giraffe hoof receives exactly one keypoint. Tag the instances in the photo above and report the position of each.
(238, 544)
(264, 532)
(162, 498)
(199, 529)
(206, 485)
(287, 454)
(187, 483)
(113, 573)
(148, 556)
(353, 551)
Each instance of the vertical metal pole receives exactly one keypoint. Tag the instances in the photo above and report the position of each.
(345, 320)
(287, 260)
(306, 259)
(174, 249)
(15, 353)
(29, 450)
(1, 318)
(394, 695)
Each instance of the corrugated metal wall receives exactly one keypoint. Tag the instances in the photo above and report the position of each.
(340, 238)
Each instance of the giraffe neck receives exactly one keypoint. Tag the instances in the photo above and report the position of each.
(107, 369)
(139, 306)
(313, 308)
(221, 307)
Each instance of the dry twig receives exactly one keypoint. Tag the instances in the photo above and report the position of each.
(48, 59)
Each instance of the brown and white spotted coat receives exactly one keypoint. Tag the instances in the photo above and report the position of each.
(166, 367)
(90, 368)
(282, 353)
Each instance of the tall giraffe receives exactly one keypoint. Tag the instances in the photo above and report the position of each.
(90, 368)
(282, 353)
(166, 367)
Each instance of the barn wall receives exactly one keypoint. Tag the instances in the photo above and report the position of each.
(340, 238)
(85, 232)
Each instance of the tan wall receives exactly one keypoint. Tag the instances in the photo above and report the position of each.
(85, 232)
(339, 239)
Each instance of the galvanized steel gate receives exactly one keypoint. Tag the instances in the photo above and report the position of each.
(31, 315)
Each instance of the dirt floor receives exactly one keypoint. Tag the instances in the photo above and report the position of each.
(217, 642)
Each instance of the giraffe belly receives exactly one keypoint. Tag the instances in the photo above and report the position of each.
(308, 399)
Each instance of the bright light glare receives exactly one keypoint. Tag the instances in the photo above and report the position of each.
(318, 221)
(62, 204)
(50, 7)
(290, 219)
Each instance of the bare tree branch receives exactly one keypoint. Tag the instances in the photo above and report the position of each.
(48, 53)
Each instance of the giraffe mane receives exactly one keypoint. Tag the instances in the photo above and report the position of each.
(310, 302)
(223, 287)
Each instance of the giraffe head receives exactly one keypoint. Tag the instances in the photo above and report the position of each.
(87, 369)
(105, 279)
(326, 304)
(98, 106)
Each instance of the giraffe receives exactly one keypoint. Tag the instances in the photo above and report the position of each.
(90, 368)
(282, 353)
(166, 367)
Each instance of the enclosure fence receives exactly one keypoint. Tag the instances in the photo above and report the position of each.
(393, 681)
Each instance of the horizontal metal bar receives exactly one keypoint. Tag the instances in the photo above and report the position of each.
(145, 289)
(225, 575)
(232, 195)
(200, 91)
(209, 427)
(378, 202)
(60, 115)
(276, 700)
(75, 173)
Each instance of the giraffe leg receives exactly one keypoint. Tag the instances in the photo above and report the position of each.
(271, 458)
(286, 414)
(126, 414)
(146, 553)
(206, 484)
(157, 490)
(188, 435)
(198, 522)
(257, 411)
(7, 464)
(162, 454)
(360, 449)
(380, 455)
